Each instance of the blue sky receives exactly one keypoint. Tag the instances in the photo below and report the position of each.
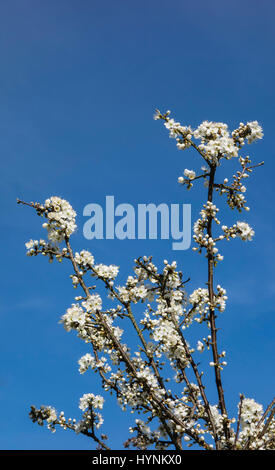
(79, 85)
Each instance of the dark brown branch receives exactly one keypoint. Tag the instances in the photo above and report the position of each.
(239, 420)
(212, 320)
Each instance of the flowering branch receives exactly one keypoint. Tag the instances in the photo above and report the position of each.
(139, 379)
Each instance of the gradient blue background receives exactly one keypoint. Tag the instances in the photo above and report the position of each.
(79, 84)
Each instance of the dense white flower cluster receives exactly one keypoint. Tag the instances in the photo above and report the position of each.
(251, 411)
(216, 141)
(251, 131)
(166, 334)
(255, 433)
(74, 318)
(217, 417)
(200, 301)
(201, 236)
(61, 224)
(245, 231)
(88, 361)
(93, 303)
(106, 272)
(84, 258)
(139, 292)
(91, 400)
(84, 319)
(85, 362)
(61, 218)
(91, 418)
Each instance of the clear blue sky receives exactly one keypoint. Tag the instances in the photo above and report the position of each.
(79, 85)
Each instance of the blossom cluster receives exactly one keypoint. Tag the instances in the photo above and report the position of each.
(216, 141)
(61, 218)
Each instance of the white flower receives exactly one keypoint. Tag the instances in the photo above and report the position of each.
(256, 131)
(93, 303)
(217, 417)
(190, 174)
(74, 317)
(89, 399)
(124, 293)
(216, 140)
(140, 292)
(251, 131)
(106, 272)
(251, 411)
(200, 346)
(199, 299)
(52, 414)
(182, 134)
(30, 244)
(244, 231)
(85, 258)
(61, 217)
(85, 362)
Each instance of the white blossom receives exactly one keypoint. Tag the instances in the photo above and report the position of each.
(106, 272)
(251, 411)
(189, 174)
(61, 218)
(245, 231)
(74, 318)
(85, 362)
(89, 399)
(84, 258)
